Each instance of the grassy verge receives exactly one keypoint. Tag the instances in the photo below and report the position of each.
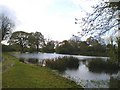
(20, 75)
(0, 75)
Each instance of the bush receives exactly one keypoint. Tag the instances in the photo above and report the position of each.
(102, 66)
(22, 60)
(114, 83)
(62, 64)
(7, 48)
(33, 61)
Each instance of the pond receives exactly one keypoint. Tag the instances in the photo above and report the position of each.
(82, 75)
(42, 56)
(88, 79)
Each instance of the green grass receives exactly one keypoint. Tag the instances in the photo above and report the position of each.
(8, 62)
(0, 75)
(21, 75)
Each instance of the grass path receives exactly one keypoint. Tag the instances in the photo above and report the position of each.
(20, 75)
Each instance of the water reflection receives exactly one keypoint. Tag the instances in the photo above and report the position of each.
(87, 78)
(83, 73)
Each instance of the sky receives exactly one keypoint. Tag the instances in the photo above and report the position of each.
(55, 19)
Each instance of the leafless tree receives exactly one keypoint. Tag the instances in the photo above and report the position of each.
(6, 26)
(105, 17)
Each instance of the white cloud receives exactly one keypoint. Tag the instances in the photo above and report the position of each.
(37, 15)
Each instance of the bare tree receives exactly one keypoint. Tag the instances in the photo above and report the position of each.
(6, 26)
(105, 17)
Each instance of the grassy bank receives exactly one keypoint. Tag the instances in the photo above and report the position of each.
(20, 75)
(0, 75)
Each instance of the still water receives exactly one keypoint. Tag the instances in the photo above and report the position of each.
(87, 78)
(42, 56)
(81, 75)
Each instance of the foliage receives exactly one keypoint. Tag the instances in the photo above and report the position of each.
(7, 48)
(64, 48)
(31, 42)
(49, 46)
(118, 50)
(33, 61)
(63, 63)
(19, 38)
(103, 66)
(39, 40)
(6, 26)
(35, 41)
(21, 60)
(89, 47)
(27, 41)
(114, 51)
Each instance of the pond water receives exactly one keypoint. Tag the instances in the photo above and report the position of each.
(89, 79)
(81, 75)
(42, 56)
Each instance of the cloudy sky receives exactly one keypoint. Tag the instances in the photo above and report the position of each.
(53, 18)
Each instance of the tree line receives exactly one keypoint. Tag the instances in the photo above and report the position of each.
(28, 42)
(36, 42)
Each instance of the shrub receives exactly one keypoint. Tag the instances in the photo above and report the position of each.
(63, 63)
(102, 66)
(33, 61)
(21, 60)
